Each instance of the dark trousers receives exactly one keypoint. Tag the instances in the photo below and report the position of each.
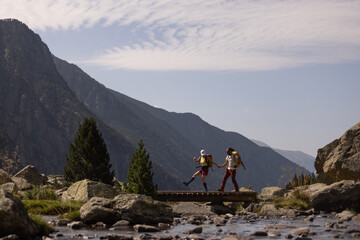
(228, 173)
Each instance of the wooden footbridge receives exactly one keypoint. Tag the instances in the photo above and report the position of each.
(211, 196)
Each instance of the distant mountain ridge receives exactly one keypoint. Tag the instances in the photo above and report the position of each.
(305, 160)
(173, 139)
(43, 100)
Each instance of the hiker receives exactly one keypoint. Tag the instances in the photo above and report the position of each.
(233, 161)
(205, 161)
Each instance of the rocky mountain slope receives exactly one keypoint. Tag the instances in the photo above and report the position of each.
(40, 113)
(173, 139)
(340, 159)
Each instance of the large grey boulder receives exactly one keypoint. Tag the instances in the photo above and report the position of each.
(336, 197)
(340, 160)
(99, 209)
(85, 189)
(137, 209)
(270, 193)
(197, 209)
(14, 218)
(270, 210)
(32, 175)
(4, 177)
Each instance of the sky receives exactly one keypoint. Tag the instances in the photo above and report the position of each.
(283, 72)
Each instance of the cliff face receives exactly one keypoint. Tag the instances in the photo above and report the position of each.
(340, 159)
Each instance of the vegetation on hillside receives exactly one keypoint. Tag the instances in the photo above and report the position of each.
(301, 180)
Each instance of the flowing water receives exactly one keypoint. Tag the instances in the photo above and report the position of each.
(242, 228)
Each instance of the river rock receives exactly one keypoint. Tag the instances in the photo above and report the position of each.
(335, 197)
(76, 225)
(270, 210)
(113, 236)
(270, 193)
(194, 230)
(345, 215)
(85, 189)
(99, 209)
(192, 208)
(145, 228)
(14, 218)
(137, 209)
(32, 175)
(4, 177)
(340, 159)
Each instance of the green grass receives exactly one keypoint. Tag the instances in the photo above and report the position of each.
(73, 215)
(292, 203)
(40, 194)
(45, 228)
(51, 207)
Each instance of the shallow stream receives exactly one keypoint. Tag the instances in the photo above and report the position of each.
(242, 228)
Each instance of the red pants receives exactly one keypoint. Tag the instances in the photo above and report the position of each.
(226, 176)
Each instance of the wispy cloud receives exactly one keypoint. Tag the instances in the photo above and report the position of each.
(208, 34)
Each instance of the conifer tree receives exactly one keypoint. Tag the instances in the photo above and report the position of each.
(88, 156)
(140, 176)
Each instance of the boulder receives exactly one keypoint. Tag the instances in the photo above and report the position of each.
(4, 177)
(336, 197)
(270, 210)
(14, 218)
(99, 209)
(84, 190)
(10, 187)
(270, 193)
(192, 208)
(32, 175)
(340, 159)
(22, 183)
(137, 209)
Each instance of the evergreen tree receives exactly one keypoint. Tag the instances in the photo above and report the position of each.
(140, 177)
(88, 156)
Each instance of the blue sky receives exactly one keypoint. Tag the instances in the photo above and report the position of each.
(283, 72)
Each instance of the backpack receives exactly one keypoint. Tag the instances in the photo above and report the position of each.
(237, 157)
(209, 160)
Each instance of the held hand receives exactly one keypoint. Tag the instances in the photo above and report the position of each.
(194, 158)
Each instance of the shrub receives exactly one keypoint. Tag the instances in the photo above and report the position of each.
(40, 194)
(299, 200)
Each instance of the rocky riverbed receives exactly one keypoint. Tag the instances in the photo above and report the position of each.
(238, 226)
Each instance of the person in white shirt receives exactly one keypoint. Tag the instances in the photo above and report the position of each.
(233, 161)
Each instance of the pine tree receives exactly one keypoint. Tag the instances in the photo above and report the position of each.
(140, 176)
(88, 156)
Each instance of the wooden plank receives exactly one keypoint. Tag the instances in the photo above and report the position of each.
(196, 196)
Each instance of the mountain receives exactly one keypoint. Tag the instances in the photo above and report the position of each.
(302, 159)
(40, 113)
(44, 99)
(173, 139)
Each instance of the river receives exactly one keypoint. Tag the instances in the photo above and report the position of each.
(234, 226)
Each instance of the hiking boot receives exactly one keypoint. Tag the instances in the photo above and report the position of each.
(185, 183)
